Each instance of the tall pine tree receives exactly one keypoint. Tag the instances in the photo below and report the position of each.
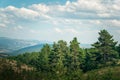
(43, 58)
(106, 48)
(76, 54)
(57, 56)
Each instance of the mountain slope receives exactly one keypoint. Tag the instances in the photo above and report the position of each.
(7, 44)
(35, 48)
(29, 49)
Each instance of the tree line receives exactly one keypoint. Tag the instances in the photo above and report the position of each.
(72, 60)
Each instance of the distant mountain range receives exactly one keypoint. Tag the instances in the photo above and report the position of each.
(8, 45)
(16, 46)
(35, 48)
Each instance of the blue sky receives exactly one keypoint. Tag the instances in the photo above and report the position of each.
(25, 3)
(53, 20)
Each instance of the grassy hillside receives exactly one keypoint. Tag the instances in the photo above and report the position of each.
(108, 73)
(12, 70)
(2, 55)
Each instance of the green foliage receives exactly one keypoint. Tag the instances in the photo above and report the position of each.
(69, 62)
(12, 70)
(118, 50)
(91, 60)
(107, 73)
(57, 57)
(106, 48)
(26, 58)
(42, 63)
(76, 55)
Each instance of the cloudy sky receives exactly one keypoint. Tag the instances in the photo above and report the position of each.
(53, 20)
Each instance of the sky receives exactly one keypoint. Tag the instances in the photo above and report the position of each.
(53, 20)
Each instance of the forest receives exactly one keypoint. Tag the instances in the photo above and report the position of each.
(66, 61)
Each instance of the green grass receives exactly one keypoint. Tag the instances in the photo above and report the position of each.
(107, 73)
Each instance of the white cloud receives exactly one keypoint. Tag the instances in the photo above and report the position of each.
(89, 5)
(4, 21)
(95, 22)
(19, 27)
(80, 9)
(72, 18)
(71, 31)
(26, 13)
(11, 8)
(42, 8)
(34, 31)
(116, 22)
(116, 7)
(58, 30)
(104, 15)
(82, 5)
(65, 22)
(22, 12)
(111, 23)
(2, 25)
(66, 30)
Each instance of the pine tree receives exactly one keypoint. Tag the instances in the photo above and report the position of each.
(118, 50)
(74, 59)
(75, 54)
(53, 57)
(57, 57)
(106, 48)
(90, 61)
(43, 60)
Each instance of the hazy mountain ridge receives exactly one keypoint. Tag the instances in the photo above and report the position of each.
(19, 46)
(35, 48)
(8, 45)
(14, 44)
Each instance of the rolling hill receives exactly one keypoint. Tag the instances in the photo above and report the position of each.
(35, 48)
(8, 44)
